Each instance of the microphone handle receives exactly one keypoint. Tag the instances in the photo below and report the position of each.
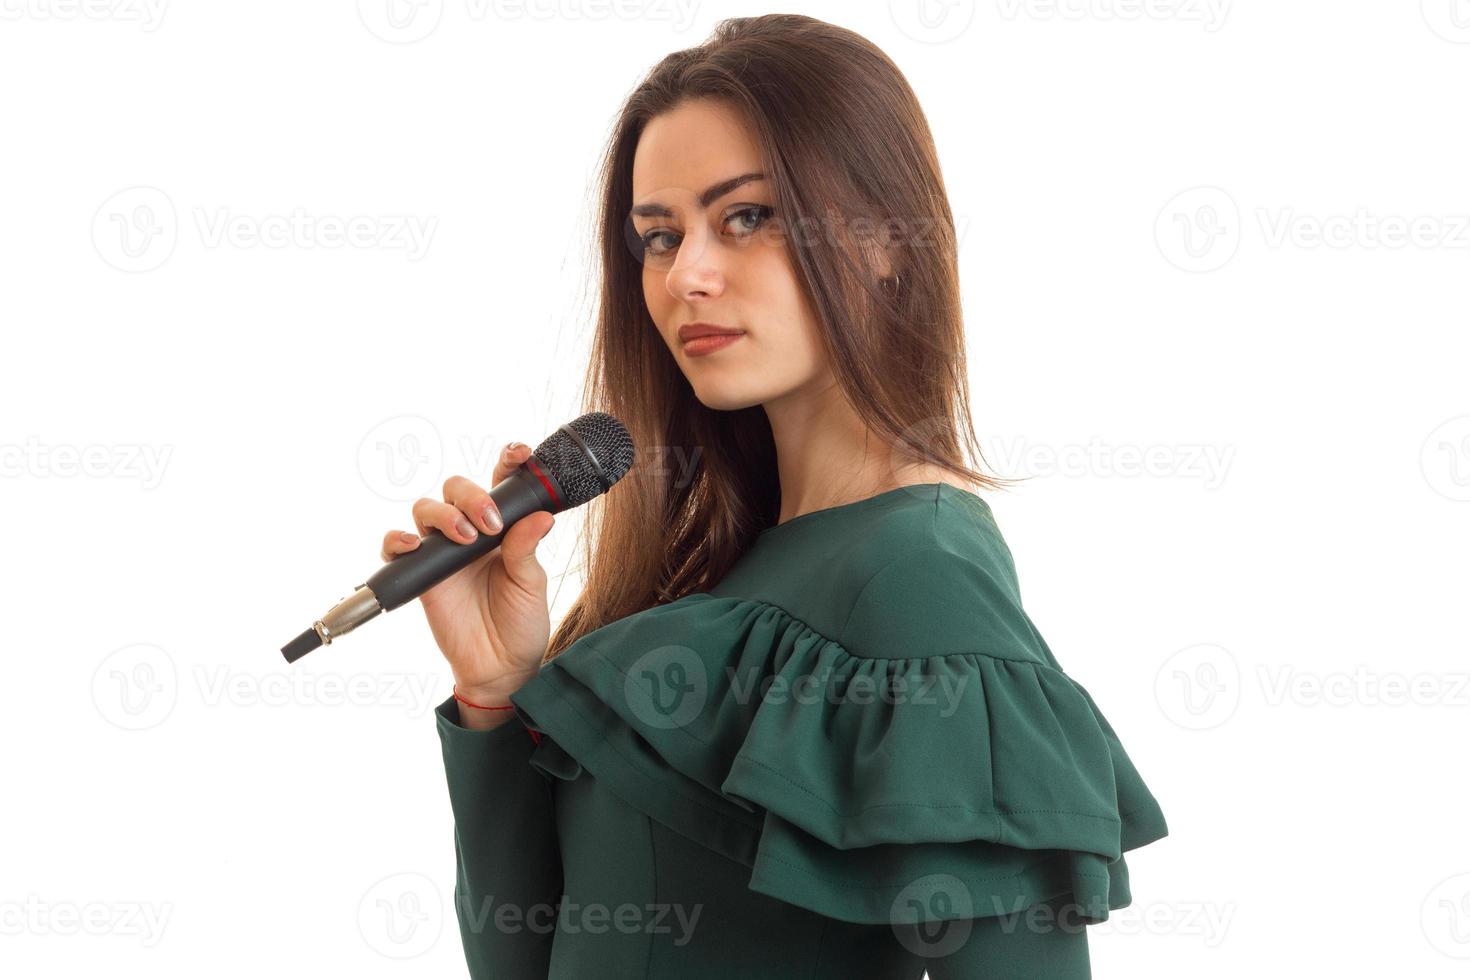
(412, 573)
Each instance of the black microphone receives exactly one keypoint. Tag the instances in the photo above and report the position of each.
(577, 462)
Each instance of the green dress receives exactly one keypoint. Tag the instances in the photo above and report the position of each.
(855, 757)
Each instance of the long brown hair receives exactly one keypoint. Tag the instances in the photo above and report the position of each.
(841, 135)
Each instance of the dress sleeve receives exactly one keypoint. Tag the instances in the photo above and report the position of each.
(952, 771)
(508, 877)
(910, 754)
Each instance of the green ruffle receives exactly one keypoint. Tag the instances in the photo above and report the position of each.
(980, 785)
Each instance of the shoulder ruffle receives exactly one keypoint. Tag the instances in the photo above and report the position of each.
(865, 781)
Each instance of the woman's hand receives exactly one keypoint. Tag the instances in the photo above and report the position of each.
(491, 618)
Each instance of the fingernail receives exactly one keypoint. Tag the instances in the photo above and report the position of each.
(513, 447)
(492, 519)
(406, 537)
(466, 528)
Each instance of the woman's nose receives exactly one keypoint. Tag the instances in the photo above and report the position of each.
(697, 270)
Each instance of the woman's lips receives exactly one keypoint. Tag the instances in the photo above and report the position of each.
(700, 346)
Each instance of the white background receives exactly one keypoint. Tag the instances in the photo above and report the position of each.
(1230, 238)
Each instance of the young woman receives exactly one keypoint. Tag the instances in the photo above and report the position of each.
(798, 724)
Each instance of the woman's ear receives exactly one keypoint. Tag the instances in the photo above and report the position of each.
(884, 264)
(878, 247)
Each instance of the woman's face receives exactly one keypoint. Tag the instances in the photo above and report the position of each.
(721, 260)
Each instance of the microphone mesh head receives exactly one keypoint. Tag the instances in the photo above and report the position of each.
(587, 456)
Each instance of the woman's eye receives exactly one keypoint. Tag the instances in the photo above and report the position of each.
(749, 219)
(653, 236)
(757, 215)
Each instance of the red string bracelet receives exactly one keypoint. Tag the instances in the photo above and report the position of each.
(535, 735)
(484, 707)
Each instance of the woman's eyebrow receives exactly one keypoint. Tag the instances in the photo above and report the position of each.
(712, 193)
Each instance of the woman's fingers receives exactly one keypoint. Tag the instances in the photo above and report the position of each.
(446, 517)
(473, 500)
(511, 458)
(397, 542)
(466, 511)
